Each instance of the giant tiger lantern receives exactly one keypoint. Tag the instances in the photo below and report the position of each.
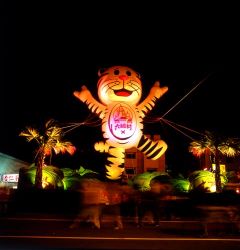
(119, 91)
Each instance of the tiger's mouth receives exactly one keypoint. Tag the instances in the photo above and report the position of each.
(122, 92)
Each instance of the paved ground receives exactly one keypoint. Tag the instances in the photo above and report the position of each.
(48, 231)
(49, 224)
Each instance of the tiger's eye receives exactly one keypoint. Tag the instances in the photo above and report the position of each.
(116, 72)
(128, 72)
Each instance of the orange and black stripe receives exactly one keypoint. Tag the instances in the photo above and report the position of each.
(152, 149)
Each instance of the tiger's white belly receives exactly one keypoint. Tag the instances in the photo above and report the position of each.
(122, 126)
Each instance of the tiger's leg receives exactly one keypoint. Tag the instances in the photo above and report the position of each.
(152, 149)
(115, 163)
(115, 159)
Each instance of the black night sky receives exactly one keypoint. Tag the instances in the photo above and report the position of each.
(51, 48)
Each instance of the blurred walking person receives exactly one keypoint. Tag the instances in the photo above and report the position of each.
(93, 198)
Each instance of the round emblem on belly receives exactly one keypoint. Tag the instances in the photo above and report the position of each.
(122, 122)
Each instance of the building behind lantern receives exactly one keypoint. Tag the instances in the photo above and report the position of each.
(136, 162)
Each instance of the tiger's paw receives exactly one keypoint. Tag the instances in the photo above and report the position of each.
(101, 146)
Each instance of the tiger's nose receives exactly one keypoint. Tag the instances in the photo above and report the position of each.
(123, 77)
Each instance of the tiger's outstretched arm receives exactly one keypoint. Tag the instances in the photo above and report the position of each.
(86, 97)
(155, 93)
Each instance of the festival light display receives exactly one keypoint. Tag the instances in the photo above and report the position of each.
(119, 92)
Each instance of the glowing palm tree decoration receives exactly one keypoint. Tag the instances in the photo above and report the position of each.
(52, 177)
(49, 141)
(142, 181)
(216, 146)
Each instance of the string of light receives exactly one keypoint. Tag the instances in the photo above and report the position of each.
(89, 121)
(200, 82)
(173, 124)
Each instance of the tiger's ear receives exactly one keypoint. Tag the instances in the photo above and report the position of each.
(101, 71)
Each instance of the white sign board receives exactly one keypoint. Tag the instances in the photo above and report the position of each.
(10, 177)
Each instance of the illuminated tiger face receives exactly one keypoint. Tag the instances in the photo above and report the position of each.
(119, 84)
